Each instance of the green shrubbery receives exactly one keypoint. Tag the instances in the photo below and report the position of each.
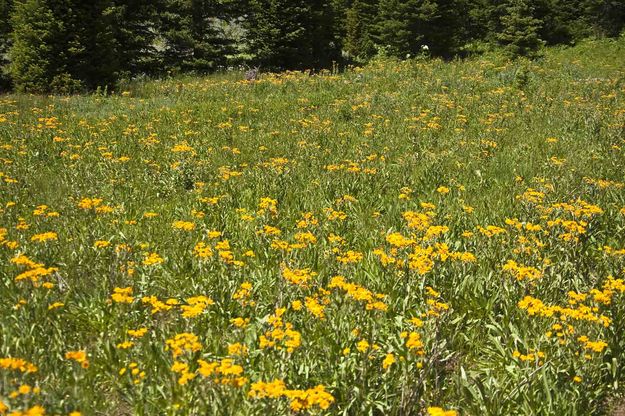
(70, 46)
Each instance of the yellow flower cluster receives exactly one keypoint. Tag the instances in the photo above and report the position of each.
(398, 240)
(137, 333)
(613, 252)
(595, 346)
(237, 349)
(532, 196)
(243, 294)
(122, 295)
(35, 271)
(414, 343)
(89, 203)
(268, 205)
(17, 364)
(79, 356)
(184, 374)
(195, 306)
(418, 220)
(151, 259)
(182, 148)
(333, 215)
(307, 220)
(388, 361)
(183, 225)
(315, 307)
(101, 244)
(577, 208)
(521, 272)
(439, 411)
(531, 356)
(491, 230)
(158, 305)
(137, 375)
(95, 204)
(282, 335)
(3, 240)
(183, 342)
(604, 183)
(534, 306)
(360, 294)
(31, 411)
(422, 259)
(572, 229)
(202, 250)
(43, 237)
(268, 230)
(224, 372)
(349, 257)
(225, 254)
(300, 277)
(300, 400)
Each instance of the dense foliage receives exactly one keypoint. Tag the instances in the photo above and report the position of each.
(5, 41)
(411, 238)
(71, 45)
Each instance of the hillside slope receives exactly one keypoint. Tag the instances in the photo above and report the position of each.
(405, 238)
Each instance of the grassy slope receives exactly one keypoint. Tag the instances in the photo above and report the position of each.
(478, 127)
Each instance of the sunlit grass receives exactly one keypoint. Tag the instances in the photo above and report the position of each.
(404, 238)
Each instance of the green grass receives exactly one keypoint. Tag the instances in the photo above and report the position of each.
(485, 129)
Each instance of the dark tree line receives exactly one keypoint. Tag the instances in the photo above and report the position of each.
(75, 45)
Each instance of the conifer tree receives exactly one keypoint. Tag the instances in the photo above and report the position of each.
(450, 28)
(607, 17)
(324, 45)
(476, 19)
(519, 29)
(339, 9)
(74, 45)
(360, 21)
(552, 14)
(90, 49)
(276, 33)
(5, 42)
(62, 45)
(35, 49)
(135, 30)
(291, 34)
(403, 25)
(193, 40)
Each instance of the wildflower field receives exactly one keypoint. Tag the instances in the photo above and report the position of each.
(407, 238)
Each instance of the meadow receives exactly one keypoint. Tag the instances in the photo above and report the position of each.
(407, 238)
